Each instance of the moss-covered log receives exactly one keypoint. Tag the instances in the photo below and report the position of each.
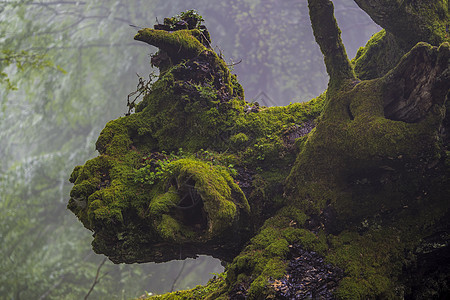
(341, 197)
(148, 200)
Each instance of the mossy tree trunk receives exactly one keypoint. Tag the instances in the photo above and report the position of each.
(330, 198)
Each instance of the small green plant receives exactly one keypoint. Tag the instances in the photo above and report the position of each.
(239, 139)
(190, 19)
(205, 155)
(217, 160)
(193, 15)
(232, 170)
(152, 173)
(156, 167)
(206, 92)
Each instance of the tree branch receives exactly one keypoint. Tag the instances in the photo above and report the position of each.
(178, 44)
(328, 36)
(87, 46)
(178, 276)
(96, 280)
(407, 21)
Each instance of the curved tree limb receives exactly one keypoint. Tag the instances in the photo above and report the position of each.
(328, 36)
(406, 20)
(96, 279)
(178, 45)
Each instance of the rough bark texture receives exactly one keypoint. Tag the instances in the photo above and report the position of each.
(341, 197)
(419, 82)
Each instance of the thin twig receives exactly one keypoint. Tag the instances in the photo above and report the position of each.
(233, 64)
(178, 276)
(96, 280)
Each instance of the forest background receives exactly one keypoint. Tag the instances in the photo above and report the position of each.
(66, 69)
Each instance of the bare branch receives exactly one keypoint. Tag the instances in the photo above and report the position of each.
(178, 276)
(106, 45)
(97, 278)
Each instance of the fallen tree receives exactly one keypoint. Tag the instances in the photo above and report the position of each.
(343, 196)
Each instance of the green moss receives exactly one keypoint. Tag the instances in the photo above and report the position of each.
(211, 291)
(352, 134)
(178, 45)
(433, 16)
(163, 203)
(239, 140)
(304, 237)
(277, 248)
(220, 194)
(267, 236)
(75, 173)
(100, 213)
(260, 288)
(370, 262)
(412, 22)
(266, 257)
(327, 35)
(381, 53)
(372, 42)
(356, 163)
(172, 230)
(295, 214)
(267, 129)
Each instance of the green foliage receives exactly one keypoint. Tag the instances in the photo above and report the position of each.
(153, 171)
(191, 14)
(206, 92)
(191, 17)
(23, 61)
